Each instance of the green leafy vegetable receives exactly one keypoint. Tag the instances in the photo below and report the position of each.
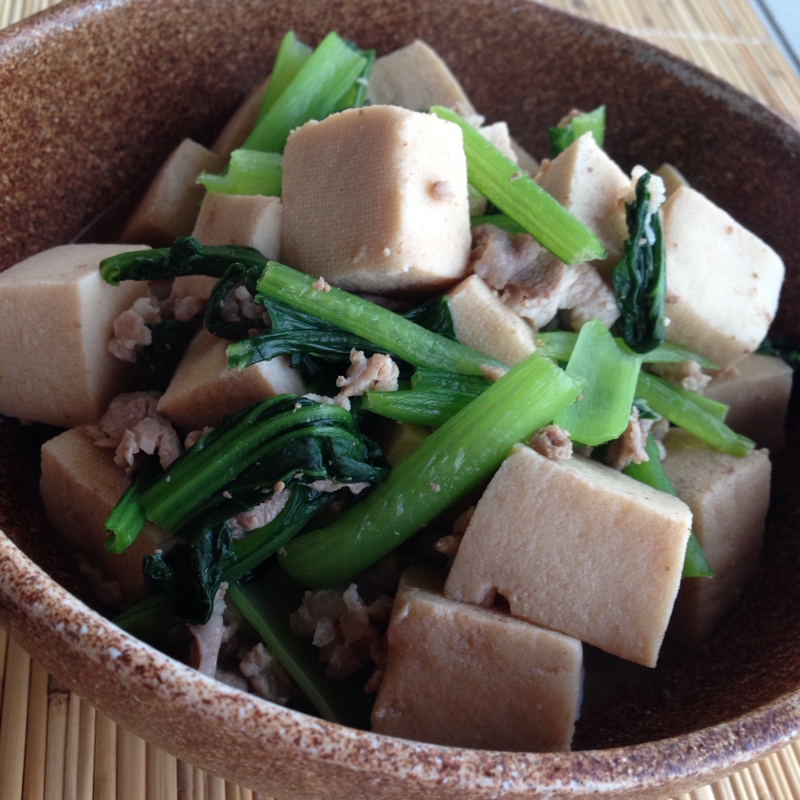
(249, 172)
(516, 194)
(314, 93)
(562, 136)
(291, 58)
(652, 473)
(434, 380)
(127, 517)
(781, 347)
(609, 377)
(423, 408)
(157, 362)
(640, 278)
(453, 460)
(356, 97)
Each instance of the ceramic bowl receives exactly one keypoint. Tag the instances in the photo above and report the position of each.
(95, 93)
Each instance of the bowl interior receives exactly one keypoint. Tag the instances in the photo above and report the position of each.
(111, 86)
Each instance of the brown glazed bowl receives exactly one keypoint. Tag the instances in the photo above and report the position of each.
(96, 92)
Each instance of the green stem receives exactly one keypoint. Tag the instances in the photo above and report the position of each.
(516, 194)
(499, 221)
(249, 172)
(400, 336)
(422, 408)
(291, 58)
(127, 518)
(453, 460)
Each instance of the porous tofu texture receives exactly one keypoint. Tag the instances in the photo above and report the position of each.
(416, 78)
(251, 221)
(485, 323)
(729, 497)
(592, 188)
(465, 676)
(723, 282)
(172, 203)
(757, 389)
(56, 317)
(577, 547)
(375, 200)
(80, 484)
(203, 391)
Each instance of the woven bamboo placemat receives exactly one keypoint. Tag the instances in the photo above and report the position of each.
(54, 746)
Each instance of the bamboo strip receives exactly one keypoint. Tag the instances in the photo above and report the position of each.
(247, 794)
(215, 788)
(199, 784)
(3, 650)
(105, 758)
(185, 781)
(759, 784)
(723, 790)
(14, 721)
(131, 766)
(36, 737)
(162, 775)
(704, 794)
(776, 779)
(73, 752)
(791, 769)
(232, 792)
(57, 710)
(84, 785)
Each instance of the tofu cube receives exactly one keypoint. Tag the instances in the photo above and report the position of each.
(375, 200)
(757, 389)
(485, 323)
(723, 282)
(203, 391)
(172, 203)
(80, 484)
(672, 177)
(252, 221)
(577, 547)
(56, 317)
(497, 133)
(241, 124)
(592, 188)
(416, 78)
(465, 676)
(729, 497)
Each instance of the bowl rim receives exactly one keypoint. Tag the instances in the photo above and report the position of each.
(26, 588)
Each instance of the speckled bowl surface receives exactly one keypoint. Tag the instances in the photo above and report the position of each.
(95, 94)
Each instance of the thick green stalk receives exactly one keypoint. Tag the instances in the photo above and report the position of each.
(127, 517)
(313, 94)
(651, 473)
(434, 380)
(249, 172)
(685, 410)
(453, 460)
(515, 193)
(499, 221)
(291, 58)
(422, 408)
(400, 336)
(593, 122)
(609, 377)
(559, 345)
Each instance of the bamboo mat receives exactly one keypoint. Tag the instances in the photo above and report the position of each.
(54, 746)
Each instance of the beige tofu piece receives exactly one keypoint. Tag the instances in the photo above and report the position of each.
(757, 389)
(672, 177)
(723, 282)
(170, 207)
(56, 317)
(415, 77)
(241, 124)
(483, 322)
(193, 286)
(729, 497)
(252, 221)
(375, 200)
(497, 133)
(592, 188)
(80, 484)
(203, 391)
(465, 676)
(577, 547)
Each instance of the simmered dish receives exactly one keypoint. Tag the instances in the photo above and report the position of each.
(372, 414)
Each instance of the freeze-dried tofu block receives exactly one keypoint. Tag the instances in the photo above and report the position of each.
(56, 317)
(672, 177)
(723, 282)
(252, 221)
(592, 188)
(416, 78)
(172, 203)
(203, 391)
(498, 135)
(473, 677)
(577, 547)
(80, 484)
(757, 389)
(375, 200)
(483, 322)
(241, 124)
(729, 497)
